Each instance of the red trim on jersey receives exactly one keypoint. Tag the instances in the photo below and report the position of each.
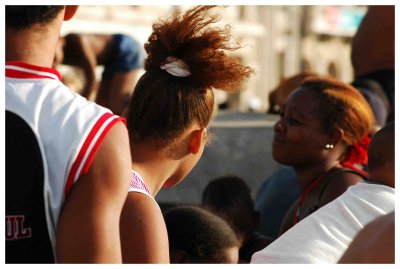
(85, 168)
(85, 146)
(123, 119)
(21, 74)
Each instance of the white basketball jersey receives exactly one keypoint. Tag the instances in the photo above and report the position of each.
(68, 129)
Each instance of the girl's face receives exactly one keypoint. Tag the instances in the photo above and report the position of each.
(299, 139)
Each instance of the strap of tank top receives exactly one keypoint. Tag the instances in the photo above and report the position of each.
(345, 170)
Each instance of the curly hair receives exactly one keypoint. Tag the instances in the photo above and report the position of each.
(21, 17)
(163, 105)
(201, 234)
(342, 106)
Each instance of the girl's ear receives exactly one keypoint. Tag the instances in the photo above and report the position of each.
(196, 140)
(69, 12)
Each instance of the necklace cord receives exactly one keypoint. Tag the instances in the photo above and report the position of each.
(304, 195)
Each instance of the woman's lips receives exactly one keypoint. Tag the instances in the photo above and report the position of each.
(278, 140)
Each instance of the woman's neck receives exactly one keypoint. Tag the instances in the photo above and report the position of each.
(306, 175)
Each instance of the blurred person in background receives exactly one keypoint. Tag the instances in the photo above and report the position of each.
(274, 198)
(372, 57)
(198, 236)
(286, 86)
(119, 54)
(230, 198)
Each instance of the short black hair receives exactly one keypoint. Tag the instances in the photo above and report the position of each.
(198, 232)
(226, 192)
(230, 197)
(21, 17)
(381, 151)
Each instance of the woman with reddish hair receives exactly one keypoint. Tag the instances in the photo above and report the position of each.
(323, 133)
(167, 120)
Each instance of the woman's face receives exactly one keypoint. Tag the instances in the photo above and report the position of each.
(299, 138)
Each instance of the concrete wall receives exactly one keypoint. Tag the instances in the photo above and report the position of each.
(242, 147)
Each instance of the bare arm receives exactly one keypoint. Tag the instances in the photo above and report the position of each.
(88, 230)
(144, 236)
(84, 57)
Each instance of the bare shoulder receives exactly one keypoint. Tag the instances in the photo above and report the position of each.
(118, 131)
(112, 161)
(338, 184)
(97, 199)
(140, 205)
(144, 235)
(374, 243)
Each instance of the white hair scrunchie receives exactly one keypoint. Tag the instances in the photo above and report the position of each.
(176, 67)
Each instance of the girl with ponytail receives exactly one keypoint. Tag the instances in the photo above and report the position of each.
(167, 119)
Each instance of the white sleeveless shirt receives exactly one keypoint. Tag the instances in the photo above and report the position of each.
(69, 129)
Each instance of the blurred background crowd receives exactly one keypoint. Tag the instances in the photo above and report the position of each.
(280, 41)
